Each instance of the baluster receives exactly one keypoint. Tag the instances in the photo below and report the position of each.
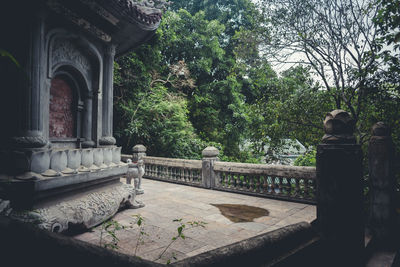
(272, 185)
(181, 174)
(235, 181)
(258, 184)
(246, 185)
(264, 186)
(229, 179)
(151, 170)
(225, 179)
(280, 189)
(185, 175)
(148, 169)
(284, 186)
(240, 182)
(162, 174)
(251, 183)
(190, 175)
(297, 188)
(306, 188)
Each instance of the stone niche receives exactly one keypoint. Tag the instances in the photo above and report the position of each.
(60, 166)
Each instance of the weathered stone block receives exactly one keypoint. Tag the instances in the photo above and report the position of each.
(40, 161)
(58, 161)
(116, 155)
(87, 157)
(74, 158)
(107, 156)
(98, 156)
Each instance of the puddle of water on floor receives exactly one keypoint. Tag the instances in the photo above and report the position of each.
(241, 213)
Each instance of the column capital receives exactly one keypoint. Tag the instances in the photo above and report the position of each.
(110, 50)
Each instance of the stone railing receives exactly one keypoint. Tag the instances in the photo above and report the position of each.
(275, 181)
(180, 171)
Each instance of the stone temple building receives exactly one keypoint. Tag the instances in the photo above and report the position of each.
(60, 166)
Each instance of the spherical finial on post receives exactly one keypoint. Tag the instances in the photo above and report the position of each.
(339, 127)
(210, 152)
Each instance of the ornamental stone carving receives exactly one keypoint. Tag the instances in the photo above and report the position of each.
(63, 51)
(339, 127)
(135, 171)
(84, 211)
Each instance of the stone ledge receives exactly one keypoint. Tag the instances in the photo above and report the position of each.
(23, 244)
(262, 250)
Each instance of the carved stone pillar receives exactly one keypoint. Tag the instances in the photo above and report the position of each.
(210, 155)
(107, 109)
(87, 122)
(340, 195)
(382, 217)
(32, 104)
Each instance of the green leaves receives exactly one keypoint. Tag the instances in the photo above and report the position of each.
(4, 53)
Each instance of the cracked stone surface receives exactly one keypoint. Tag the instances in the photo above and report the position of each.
(166, 202)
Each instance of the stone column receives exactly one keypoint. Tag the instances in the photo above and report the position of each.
(32, 88)
(210, 155)
(339, 192)
(382, 217)
(107, 109)
(139, 151)
(87, 122)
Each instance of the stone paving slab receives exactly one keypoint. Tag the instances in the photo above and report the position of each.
(166, 202)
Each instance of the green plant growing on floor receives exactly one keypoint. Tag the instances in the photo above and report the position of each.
(110, 227)
(141, 233)
(180, 234)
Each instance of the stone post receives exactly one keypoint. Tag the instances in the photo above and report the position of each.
(139, 151)
(210, 155)
(382, 217)
(339, 192)
(107, 113)
(32, 106)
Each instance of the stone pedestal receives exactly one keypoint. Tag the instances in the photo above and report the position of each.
(340, 196)
(210, 155)
(382, 217)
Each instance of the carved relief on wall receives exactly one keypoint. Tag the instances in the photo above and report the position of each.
(62, 116)
(64, 51)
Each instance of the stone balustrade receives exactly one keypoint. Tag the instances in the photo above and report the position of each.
(180, 171)
(275, 181)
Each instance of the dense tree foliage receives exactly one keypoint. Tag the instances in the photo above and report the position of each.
(208, 76)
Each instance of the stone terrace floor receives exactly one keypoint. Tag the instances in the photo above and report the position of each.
(166, 202)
